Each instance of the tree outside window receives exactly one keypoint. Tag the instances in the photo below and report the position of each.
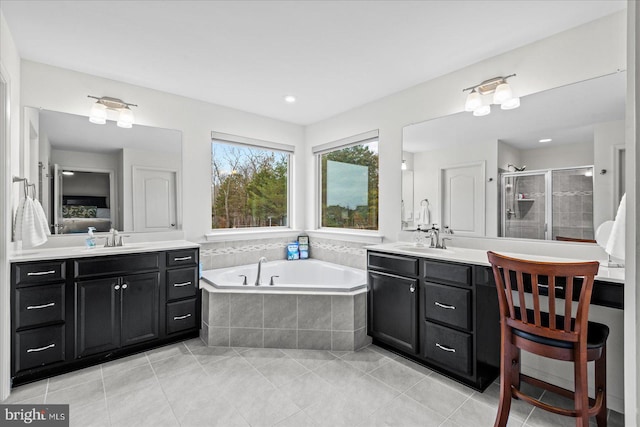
(249, 186)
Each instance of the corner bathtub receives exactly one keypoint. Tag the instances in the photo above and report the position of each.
(312, 305)
(298, 275)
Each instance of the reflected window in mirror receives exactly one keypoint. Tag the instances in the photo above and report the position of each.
(249, 183)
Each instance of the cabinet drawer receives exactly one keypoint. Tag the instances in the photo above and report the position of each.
(182, 283)
(39, 272)
(37, 305)
(483, 276)
(182, 257)
(181, 315)
(38, 347)
(443, 272)
(448, 347)
(448, 304)
(115, 265)
(393, 263)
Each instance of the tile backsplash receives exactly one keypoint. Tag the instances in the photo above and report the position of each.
(241, 252)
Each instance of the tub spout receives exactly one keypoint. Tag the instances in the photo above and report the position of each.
(260, 261)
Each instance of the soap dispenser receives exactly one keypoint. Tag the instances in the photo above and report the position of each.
(91, 240)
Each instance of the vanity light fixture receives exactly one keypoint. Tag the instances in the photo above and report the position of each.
(98, 114)
(502, 95)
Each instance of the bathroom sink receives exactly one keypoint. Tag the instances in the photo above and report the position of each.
(425, 250)
(125, 248)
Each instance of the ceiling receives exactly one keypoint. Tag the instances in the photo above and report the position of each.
(332, 55)
(566, 115)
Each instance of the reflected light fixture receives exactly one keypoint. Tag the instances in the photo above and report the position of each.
(290, 99)
(103, 105)
(67, 173)
(404, 165)
(502, 95)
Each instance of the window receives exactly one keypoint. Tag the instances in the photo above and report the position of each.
(249, 183)
(349, 184)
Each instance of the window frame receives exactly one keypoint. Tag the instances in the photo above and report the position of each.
(242, 141)
(318, 152)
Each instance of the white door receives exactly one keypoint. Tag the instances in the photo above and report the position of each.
(56, 215)
(462, 192)
(154, 200)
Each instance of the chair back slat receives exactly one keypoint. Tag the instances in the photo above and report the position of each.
(536, 300)
(552, 302)
(507, 269)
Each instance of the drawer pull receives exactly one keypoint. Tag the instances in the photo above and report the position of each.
(441, 347)
(558, 288)
(181, 317)
(412, 289)
(33, 350)
(182, 258)
(40, 273)
(177, 285)
(37, 307)
(448, 307)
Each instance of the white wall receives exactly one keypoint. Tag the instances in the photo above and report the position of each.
(558, 156)
(508, 155)
(606, 136)
(63, 90)
(10, 74)
(84, 159)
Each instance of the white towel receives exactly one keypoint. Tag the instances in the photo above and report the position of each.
(616, 242)
(425, 215)
(42, 217)
(29, 225)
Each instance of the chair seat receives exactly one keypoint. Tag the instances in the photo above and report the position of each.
(597, 333)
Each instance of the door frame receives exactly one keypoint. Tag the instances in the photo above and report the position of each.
(483, 200)
(135, 174)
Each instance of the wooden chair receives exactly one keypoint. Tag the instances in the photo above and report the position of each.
(555, 333)
(573, 239)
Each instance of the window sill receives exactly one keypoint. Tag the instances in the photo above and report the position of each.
(368, 237)
(249, 234)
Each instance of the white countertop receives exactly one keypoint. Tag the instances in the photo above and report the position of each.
(479, 257)
(82, 252)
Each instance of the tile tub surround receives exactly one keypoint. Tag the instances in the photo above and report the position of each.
(284, 320)
(240, 252)
(190, 384)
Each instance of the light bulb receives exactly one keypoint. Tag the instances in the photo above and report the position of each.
(404, 165)
(98, 114)
(483, 110)
(502, 94)
(510, 104)
(125, 119)
(473, 102)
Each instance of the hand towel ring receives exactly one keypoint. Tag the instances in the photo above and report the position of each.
(425, 202)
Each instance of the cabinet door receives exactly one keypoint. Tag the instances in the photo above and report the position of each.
(97, 315)
(140, 307)
(393, 318)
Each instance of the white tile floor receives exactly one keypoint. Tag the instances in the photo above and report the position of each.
(189, 384)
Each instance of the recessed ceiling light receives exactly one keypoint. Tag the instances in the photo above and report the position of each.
(68, 173)
(545, 140)
(290, 99)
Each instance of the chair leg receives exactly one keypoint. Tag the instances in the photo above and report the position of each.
(581, 396)
(601, 385)
(507, 368)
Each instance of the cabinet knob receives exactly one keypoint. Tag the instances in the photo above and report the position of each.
(125, 286)
(412, 288)
(116, 287)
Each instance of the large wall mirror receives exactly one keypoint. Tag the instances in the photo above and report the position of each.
(103, 176)
(547, 170)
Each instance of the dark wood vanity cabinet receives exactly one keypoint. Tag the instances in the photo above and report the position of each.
(68, 314)
(435, 313)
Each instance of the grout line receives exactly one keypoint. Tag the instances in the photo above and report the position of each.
(46, 391)
(104, 389)
(457, 409)
(160, 384)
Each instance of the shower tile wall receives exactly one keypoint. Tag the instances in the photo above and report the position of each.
(529, 221)
(229, 254)
(572, 204)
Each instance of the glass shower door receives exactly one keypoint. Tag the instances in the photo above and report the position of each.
(524, 205)
(572, 209)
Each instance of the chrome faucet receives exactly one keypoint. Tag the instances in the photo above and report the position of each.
(434, 233)
(260, 261)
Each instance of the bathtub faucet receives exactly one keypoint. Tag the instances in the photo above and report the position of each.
(260, 261)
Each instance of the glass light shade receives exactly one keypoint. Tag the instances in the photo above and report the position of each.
(502, 94)
(483, 110)
(125, 119)
(98, 114)
(510, 104)
(404, 165)
(473, 102)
